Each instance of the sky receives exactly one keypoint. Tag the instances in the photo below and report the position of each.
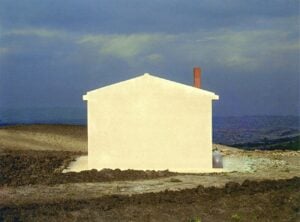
(52, 51)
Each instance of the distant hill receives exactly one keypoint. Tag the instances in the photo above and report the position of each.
(254, 129)
(286, 143)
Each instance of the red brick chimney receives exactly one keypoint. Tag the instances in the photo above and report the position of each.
(197, 77)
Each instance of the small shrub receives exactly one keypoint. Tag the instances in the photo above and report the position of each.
(196, 219)
(235, 217)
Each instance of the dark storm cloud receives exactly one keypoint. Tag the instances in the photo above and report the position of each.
(52, 52)
(112, 16)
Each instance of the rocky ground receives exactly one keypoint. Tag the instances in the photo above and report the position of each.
(262, 185)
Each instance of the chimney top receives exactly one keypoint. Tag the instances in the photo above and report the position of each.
(197, 77)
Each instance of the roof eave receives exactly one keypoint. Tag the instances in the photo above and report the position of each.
(215, 97)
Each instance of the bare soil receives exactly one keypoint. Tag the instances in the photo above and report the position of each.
(19, 168)
(264, 185)
(251, 201)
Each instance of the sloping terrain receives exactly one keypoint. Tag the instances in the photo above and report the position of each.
(262, 185)
(285, 143)
(44, 137)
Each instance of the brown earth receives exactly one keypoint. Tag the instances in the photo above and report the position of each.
(251, 201)
(19, 168)
(264, 185)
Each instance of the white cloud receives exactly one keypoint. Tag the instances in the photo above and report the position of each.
(45, 33)
(126, 47)
(240, 50)
(236, 49)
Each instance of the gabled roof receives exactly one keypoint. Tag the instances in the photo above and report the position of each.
(143, 79)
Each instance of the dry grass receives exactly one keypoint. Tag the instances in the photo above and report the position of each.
(44, 137)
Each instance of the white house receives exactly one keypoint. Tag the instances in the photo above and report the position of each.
(150, 123)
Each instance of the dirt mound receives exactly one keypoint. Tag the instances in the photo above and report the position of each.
(268, 200)
(45, 167)
(30, 167)
(107, 175)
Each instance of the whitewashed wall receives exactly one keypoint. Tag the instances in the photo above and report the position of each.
(149, 123)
